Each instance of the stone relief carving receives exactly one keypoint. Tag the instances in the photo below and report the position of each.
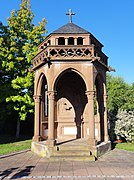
(65, 108)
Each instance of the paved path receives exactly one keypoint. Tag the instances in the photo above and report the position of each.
(115, 165)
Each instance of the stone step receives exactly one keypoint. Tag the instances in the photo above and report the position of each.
(72, 153)
(72, 147)
(72, 158)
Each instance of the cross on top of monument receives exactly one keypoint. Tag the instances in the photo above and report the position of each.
(70, 14)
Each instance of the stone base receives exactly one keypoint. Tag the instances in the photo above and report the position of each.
(36, 138)
(51, 143)
(77, 150)
(102, 148)
(41, 149)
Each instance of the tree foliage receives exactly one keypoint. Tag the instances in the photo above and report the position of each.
(120, 94)
(18, 47)
(116, 88)
(6, 77)
(120, 101)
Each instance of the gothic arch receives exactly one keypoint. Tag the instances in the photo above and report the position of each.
(61, 73)
(70, 101)
(99, 84)
(41, 87)
(41, 78)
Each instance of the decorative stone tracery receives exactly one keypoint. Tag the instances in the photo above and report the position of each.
(67, 52)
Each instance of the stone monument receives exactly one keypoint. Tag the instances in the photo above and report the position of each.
(70, 95)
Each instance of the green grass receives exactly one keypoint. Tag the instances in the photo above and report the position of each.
(10, 145)
(125, 146)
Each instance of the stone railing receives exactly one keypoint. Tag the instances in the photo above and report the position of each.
(70, 52)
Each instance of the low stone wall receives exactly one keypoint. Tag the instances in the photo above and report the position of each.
(41, 149)
(103, 148)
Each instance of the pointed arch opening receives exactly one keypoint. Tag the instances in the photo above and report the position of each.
(99, 111)
(41, 90)
(70, 104)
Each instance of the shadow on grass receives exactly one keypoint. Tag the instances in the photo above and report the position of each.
(5, 139)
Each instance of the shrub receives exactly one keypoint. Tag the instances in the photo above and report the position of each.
(124, 125)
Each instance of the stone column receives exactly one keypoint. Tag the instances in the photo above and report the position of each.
(98, 122)
(106, 138)
(37, 116)
(66, 41)
(42, 118)
(51, 138)
(84, 41)
(90, 96)
(56, 41)
(75, 41)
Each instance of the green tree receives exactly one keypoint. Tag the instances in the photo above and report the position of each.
(129, 99)
(120, 97)
(5, 78)
(23, 38)
(117, 89)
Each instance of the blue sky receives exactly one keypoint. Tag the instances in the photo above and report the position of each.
(111, 22)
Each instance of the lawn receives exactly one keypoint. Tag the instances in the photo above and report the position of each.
(125, 146)
(10, 145)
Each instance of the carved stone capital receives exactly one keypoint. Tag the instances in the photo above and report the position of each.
(90, 94)
(51, 95)
(36, 138)
(105, 97)
(37, 98)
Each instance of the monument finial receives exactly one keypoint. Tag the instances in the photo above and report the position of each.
(70, 14)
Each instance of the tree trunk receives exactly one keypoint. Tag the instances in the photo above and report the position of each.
(18, 129)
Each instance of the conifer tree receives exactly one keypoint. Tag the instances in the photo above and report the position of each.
(21, 47)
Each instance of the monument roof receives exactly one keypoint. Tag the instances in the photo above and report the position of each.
(70, 28)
